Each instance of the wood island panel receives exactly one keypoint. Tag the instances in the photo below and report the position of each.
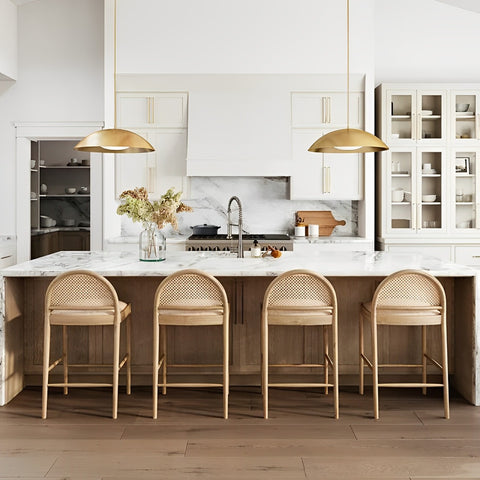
(203, 344)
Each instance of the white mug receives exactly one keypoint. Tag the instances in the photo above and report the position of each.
(313, 230)
(427, 166)
(300, 231)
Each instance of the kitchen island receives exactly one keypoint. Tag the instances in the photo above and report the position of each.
(355, 275)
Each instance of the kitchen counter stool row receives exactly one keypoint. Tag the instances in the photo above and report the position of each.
(295, 298)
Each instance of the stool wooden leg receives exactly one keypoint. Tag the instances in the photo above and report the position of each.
(362, 352)
(424, 358)
(116, 362)
(226, 359)
(325, 356)
(265, 368)
(46, 366)
(375, 369)
(335, 369)
(446, 404)
(129, 355)
(163, 334)
(156, 347)
(65, 358)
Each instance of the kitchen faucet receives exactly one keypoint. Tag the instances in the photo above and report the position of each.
(239, 224)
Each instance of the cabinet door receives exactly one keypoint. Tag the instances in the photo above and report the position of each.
(432, 196)
(169, 166)
(323, 176)
(132, 170)
(74, 241)
(399, 196)
(326, 109)
(169, 110)
(465, 190)
(400, 114)
(134, 110)
(152, 110)
(465, 117)
(431, 116)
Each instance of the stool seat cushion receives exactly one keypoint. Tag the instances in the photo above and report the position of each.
(88, 317)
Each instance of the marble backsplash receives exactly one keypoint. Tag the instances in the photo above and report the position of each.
(265, 203)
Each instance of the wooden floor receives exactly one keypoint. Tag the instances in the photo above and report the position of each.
(190, 440)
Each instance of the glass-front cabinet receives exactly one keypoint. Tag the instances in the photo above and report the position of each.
(415, 190)
(416, 116)
(465, 124)
(466, 190)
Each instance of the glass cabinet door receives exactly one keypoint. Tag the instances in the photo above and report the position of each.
(466, 197)
(431, 190)
(431, 124)
(400, 195)
(465, 116)
(401, 116)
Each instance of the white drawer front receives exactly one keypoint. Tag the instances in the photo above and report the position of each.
(442, 252)
(468, 255)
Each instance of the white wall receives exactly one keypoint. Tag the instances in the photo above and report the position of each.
(251, 36)
(425, 41)
(8, 40)
(60, 77)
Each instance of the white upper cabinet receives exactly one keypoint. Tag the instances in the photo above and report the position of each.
(415, 116)
(323, 176)
(152, 110)
(326, 110)
(161, 118)
(465, 116)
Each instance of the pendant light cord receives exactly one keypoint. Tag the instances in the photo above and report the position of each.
(115, 64)
(348, 63)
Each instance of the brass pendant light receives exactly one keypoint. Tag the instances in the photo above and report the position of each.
(114, 140)
(348, 140)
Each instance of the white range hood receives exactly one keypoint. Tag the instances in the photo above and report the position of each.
(239, 125)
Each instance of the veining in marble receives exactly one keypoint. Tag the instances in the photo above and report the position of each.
(266, 208)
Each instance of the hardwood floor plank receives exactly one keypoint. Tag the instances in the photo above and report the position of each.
(135, 465)
(47, 432)
(168, 447)
(391, 467)
(329, 448)
(435, 432)
(237, 431)
(25, 465)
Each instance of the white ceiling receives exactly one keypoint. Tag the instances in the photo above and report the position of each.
(473, 5)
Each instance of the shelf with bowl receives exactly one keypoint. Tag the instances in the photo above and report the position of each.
(400, 174)
(56, 195)
(65, 167)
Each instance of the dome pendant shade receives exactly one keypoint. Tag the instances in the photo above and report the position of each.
(114, 140)
(348, 140)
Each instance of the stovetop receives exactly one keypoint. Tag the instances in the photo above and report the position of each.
(246, 236)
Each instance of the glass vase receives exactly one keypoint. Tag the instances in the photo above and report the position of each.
(152, 245)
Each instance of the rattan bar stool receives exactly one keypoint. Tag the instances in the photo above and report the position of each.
(188, 298)
(408, 298)
(302, 298)
(83, 298)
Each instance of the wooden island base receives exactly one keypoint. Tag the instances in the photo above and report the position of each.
(24, 300)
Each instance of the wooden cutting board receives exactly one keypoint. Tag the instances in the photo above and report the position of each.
(323, 218)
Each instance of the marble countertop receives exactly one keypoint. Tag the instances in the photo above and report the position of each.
(346, 264)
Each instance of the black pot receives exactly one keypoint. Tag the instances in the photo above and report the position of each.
(204, 229)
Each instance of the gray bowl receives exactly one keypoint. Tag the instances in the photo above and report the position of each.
(461, 107)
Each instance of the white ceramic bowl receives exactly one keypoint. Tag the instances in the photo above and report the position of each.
(395, 135)
(427, 112)
(428, 198)
(408, 196)
(68, 222)
(461, 107)
(70, 190)
(32, 163)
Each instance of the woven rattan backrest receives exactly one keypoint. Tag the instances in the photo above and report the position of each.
(81, 289)
(188, 287)
(412, 287)
(300, 287)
